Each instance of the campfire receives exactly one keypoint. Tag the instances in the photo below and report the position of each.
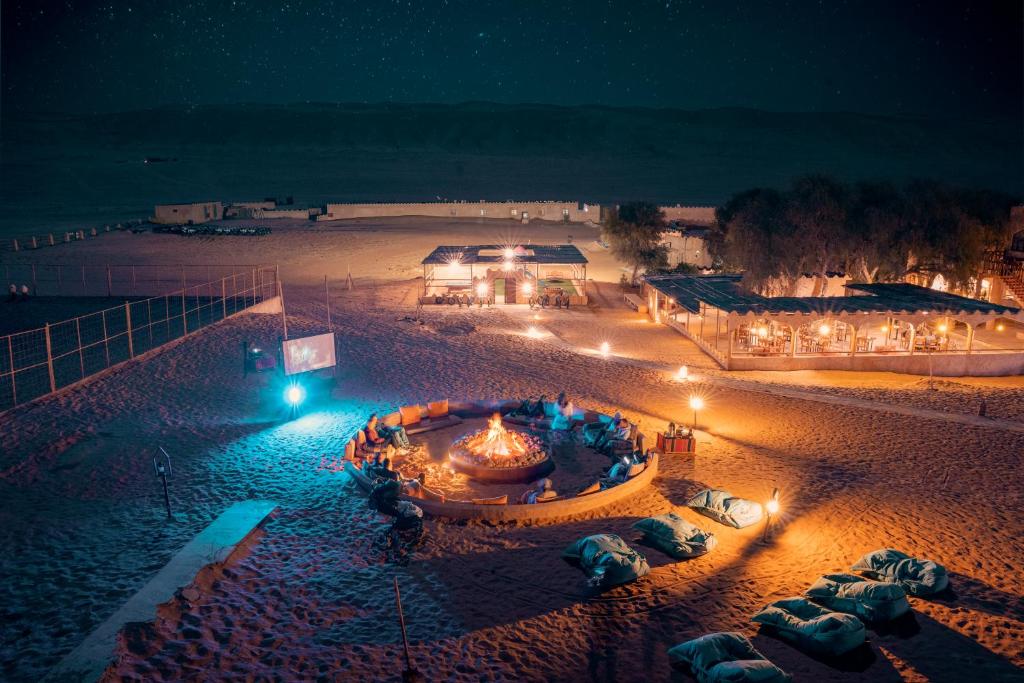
(498, 447)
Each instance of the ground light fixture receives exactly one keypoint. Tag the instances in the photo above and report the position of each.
(1000, 327)
(533, 332)
(772, 509)
(605, 349)
(683, 372)
(697, 403)
(824, 329)
(527, 289)
(481, 290)
(294, 395)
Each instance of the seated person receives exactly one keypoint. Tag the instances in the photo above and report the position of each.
(564, 413)
(385, 471)
(544, 490)
(620, 471)
(620, 433)
(378, 434)
(538, 408)
(596, 433)
(524, 409)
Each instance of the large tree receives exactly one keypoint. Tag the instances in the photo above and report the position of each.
(869, 231)
(634, 232)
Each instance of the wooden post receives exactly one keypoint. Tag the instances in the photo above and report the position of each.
(109, 288)
(128, 325)
(224, 297)
(49, 359)
(133, 280)
(409, 673)
(83, 280)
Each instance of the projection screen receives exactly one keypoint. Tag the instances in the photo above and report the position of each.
(308, 353)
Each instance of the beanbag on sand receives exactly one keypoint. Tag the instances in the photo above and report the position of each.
(606, 559)
(676, 537)
(725, 657)
(917, 577)
(869, 600)
(723, 507)
(812, 627)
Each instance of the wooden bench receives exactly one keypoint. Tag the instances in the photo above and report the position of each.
(635, 302)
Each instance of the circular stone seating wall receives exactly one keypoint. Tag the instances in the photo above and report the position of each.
(556, 509)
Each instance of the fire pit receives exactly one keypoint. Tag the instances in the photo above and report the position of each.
(500, 455)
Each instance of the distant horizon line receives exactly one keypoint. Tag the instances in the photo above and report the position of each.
(8, 110)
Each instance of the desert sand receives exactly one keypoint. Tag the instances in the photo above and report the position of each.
(82, 520)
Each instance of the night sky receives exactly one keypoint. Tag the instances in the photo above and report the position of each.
(933, 58)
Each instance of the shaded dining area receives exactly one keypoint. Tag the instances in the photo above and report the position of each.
(872, 322)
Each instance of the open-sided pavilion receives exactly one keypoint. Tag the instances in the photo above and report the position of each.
(897, 327)
(505, 274)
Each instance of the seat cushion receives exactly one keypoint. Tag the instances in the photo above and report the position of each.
(437, 408)
(410, 414)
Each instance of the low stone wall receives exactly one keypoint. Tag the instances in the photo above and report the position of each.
(572, 212)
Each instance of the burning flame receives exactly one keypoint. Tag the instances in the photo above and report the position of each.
(496, 441)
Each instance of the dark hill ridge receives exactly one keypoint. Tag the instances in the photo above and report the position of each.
(318, 152)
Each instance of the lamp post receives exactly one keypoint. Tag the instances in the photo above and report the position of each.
(162, 471)
(772, 508)
(697, 403)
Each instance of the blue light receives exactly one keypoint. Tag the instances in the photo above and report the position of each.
(294, 395)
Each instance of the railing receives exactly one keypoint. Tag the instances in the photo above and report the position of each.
(38, 362)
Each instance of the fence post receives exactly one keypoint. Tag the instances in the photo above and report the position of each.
(149, 319)
(128, 324)
(51, 239)
(81, 357)
(35, 285)
(49, 359)
(14, 384)
(284, 318)
(106, 345)
(109, 288)
(83, 280)
(184, 318)
(224, 297)
(15, 244)
(133, 280)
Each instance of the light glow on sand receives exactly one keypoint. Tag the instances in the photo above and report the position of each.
(772, 506)
(606, 348)
(533, 333)
(481, 290)
(683, 372)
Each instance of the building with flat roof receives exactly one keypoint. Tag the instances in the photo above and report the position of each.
(506, 274)
(896, 327)
(187, 214)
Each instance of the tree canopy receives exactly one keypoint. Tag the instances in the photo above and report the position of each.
(633, 230)
(869, 231)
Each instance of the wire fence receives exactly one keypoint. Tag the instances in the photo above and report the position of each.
(39, 362)
(79, 279)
